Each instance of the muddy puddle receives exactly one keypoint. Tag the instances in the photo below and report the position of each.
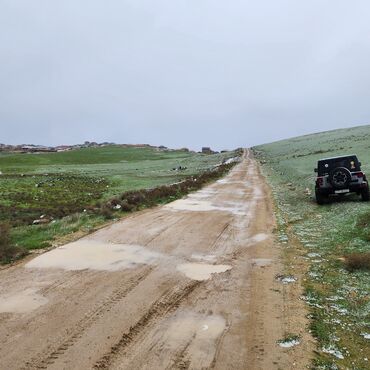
(204, 257)
(199, 205)
(89, 254)
(258, 238)
(201, 194)
(201, 271)
(22, 302)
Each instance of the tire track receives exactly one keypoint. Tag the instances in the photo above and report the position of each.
(43, 360)
(181, 360)
(75, 275)
(169, 302)
(220, 236)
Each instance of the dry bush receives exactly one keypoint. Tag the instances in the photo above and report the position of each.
(126, 207)
(106, 210)
(358, 261)
(8, 252)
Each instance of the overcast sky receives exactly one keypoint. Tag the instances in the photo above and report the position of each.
(181, 72)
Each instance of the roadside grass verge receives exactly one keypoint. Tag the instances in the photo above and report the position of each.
(32, 237)
(143, 198)
(334, 243)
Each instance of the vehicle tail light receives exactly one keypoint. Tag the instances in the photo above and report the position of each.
(320, 181)
(360, 174)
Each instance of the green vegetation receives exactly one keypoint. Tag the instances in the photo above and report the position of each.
(77, 190)
(334, 238)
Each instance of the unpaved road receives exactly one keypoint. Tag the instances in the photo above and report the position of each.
(189, 285)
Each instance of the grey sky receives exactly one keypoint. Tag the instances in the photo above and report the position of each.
(181, 72)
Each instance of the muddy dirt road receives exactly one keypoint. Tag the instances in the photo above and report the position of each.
(189, 285)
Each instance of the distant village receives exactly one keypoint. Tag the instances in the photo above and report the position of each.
(31, 148)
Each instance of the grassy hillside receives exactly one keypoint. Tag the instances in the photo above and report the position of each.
(333, 241)
(63, 184)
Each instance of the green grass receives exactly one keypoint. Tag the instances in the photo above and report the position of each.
(58, 185)
(338, 297)
(41, 236)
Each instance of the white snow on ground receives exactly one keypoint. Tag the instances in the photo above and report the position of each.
(331, 350)
(289, 343)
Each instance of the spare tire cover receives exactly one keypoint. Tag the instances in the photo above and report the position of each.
(340, 177)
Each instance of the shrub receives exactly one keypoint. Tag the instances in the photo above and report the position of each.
(8, 252)
(126, 207)
(358, 261)
(106, 211)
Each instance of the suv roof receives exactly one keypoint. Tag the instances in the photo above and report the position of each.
(339, 157)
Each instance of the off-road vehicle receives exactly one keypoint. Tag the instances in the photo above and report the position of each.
(338, 176)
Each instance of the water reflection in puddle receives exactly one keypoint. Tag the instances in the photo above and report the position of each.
(201, 271)
(89, 254)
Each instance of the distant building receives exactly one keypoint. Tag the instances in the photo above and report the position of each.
(207, 150)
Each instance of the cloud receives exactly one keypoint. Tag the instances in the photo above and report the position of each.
(181, 73)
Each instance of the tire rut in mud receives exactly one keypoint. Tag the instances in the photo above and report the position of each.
(180, 361)
(169, 302)
(43, 360)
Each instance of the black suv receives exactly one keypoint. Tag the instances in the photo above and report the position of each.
(340, 176)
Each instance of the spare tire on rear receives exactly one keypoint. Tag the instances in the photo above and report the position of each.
(340, 177)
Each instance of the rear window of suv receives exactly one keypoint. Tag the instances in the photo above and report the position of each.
(325, 166)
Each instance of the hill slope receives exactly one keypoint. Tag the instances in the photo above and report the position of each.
(326, 246)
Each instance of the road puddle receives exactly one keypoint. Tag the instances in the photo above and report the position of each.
(201, 194)
(189, 204)
(94, 255)
(22, 302)
(198, 205)
(201, 271)
(258, 238)
(204, 257)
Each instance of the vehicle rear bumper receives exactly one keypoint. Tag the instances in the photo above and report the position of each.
(353, 188)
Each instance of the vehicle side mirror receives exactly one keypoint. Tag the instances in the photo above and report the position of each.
(360, 164)
(316, 170)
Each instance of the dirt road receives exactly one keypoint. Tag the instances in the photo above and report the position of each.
(189, 285)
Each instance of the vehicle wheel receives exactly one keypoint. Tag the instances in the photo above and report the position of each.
(340, 177)
(320, 198)
(365, 195)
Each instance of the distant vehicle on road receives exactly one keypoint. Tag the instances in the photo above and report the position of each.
(338, 176)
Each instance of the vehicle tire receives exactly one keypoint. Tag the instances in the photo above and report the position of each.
(320, 198)
(365, 194)
(340, 177)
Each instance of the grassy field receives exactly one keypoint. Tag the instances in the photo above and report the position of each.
(334, 242)
(69, 186)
